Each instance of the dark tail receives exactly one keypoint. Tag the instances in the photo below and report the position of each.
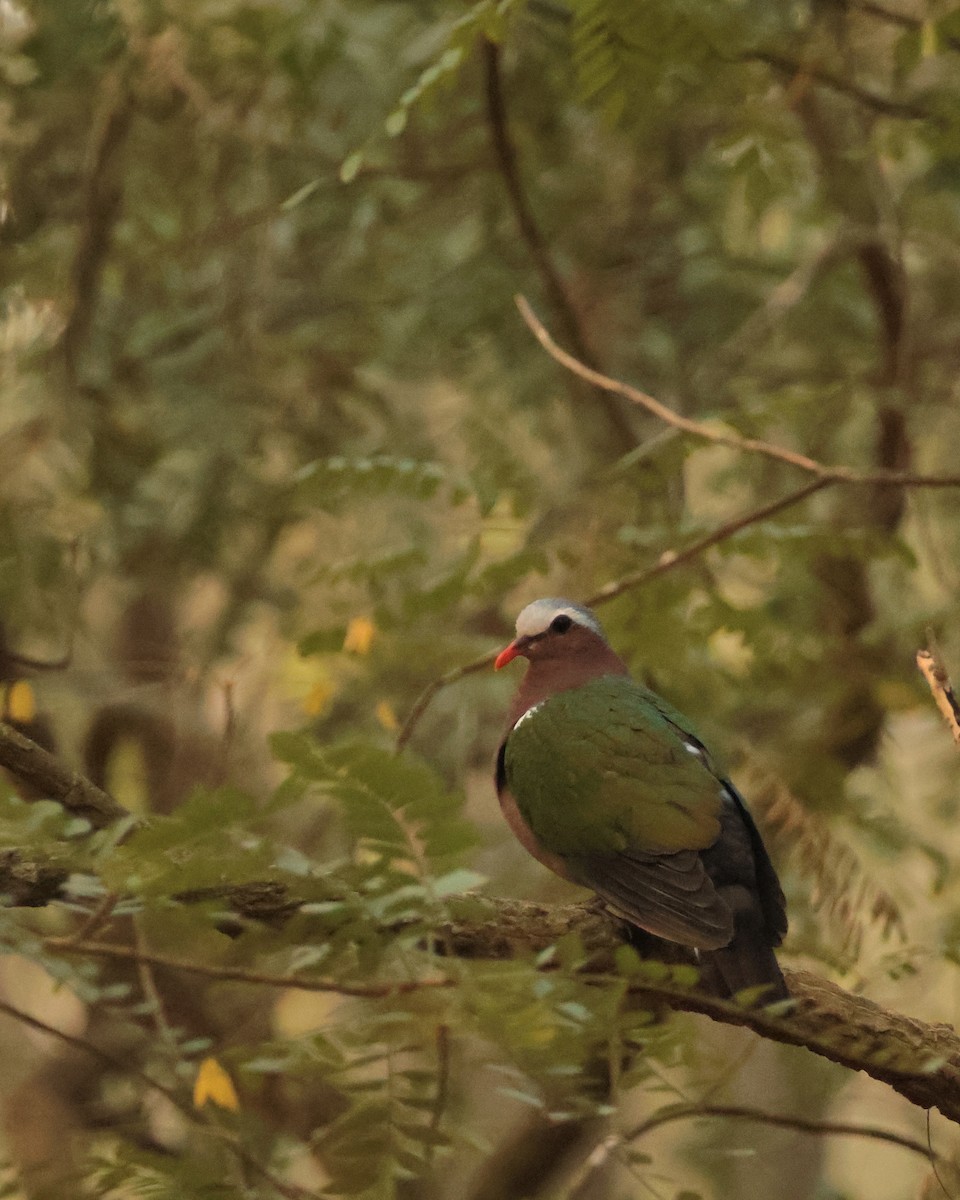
(748, 961)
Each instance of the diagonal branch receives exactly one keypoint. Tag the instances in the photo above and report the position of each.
(834, 474)
(125, 1067)
(26, 760)
(667, 560)
(919, 1060)
(885, 105)
(935, 673)
(553, 284)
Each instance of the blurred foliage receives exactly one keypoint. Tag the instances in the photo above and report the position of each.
(276, 452)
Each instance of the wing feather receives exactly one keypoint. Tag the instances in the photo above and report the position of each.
(668, 895)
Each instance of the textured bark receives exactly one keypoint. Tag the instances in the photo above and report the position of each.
(921, 1061)
(48, 777)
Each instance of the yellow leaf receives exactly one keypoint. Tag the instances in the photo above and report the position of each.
(317, 700)
(213, 1083)
(21, 702)
(386, 716)
(359, 637)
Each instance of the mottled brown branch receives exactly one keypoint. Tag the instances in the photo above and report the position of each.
(935, 673)
(708, 433)
(26, 883)
(553, 284)
(918, 1060)
(49, 777)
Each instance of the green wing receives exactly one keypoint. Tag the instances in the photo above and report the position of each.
(600, 768)
(608, 777)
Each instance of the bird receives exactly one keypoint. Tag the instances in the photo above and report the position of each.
(606, 784)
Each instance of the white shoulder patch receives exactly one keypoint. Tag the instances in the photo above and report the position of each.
(529, 713)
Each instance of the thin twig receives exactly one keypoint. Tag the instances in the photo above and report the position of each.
(443, 1084)
(835, 474)
(125, 1067)
(686, 1112)
(935, 673)
(885, 105)
(423, 701)
(782, 1121)
(95, 919)
(667, 561)
(304, 983)
(151, 993)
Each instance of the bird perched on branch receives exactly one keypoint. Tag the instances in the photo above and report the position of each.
(607, 785)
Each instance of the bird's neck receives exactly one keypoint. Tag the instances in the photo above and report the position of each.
(547, 677)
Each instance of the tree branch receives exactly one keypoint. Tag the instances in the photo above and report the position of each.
(667, 560)
(918, 1060)
(834, 474)
(921, 1061)
(304, 983)
(28, 883)
(935, 673)
(536, 244)
(35, 766)
(26, 760)
(688, 1112)
(102, 206)
(885, 105)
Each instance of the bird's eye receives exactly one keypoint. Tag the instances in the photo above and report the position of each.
(561, 623)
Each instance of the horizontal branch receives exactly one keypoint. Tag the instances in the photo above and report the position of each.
(919, 1060)
(834, 474)
(305, 983)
